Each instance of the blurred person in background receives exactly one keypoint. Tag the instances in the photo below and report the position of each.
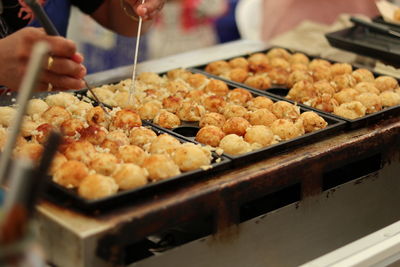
(19, 32)
(185, 25)
(283, 15)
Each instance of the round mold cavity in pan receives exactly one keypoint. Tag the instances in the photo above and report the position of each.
(278, 91)
(187, 131)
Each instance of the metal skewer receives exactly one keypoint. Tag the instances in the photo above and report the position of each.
(51, 30)
(29, 83)
(129, 11)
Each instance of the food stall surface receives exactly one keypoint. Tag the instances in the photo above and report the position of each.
(317, 198)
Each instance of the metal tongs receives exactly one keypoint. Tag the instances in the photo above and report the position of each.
(375, 26)
(51, 30)
(26, 181)
(128, 10)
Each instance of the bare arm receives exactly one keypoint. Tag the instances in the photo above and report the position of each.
(112, 16)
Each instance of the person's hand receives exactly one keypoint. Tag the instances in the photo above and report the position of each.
(63, 72)
(148, 10)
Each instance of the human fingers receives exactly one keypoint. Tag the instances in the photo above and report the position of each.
(150, 8)
(62, 82)
(61, 47)
(66, 66)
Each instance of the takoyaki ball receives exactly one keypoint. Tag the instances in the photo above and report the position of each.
(97, 117)
(236, 125)
(232, 110)
(160, 167)
(367, 87)
(6, 115)
(239, 96)
(80, 151)
(103, 163)
(297, 76)
(132, 154)
(149, 78)
(150, 109)
(389, 98)
(119, 137)
(259, 102)
(261, 82)
(298, 66)
(384, 83)
(190, 157)
(212, 118)
(80, 109)
(312, 121)
(164, 144)
(28, 127)
(279, 76)
(234, 145)
(58, 160)
(371, 101)
(285, 129)
(191, 111)
(172, 103)
(121, 99)
(238, 75)
(36, 106)
(178, 87)
(42, 132)
(70, 174)
(125, 119)
(259, 62)
(317, 63)
(210, 135)
(129, 176)
(71, 127)
(56, 115)
(214, 103)
(285, 110)
(61, 99)
(32, 151)
(302, 91)
(197, 80)
(323, 87)
(151, 94)
(363, 75)
(217, 87)
(340, 82)
(97, 186)
(239, 62)
(351, 110)
(325, 102)
(178, 74)
(141, 136)
(279, 63)
(167, 119)
(93, 134)
(195, 95)
(341, 68)
(259, 134)
(104, 95)
(346, 95)
(261, 116)
(278, 53)
(299, 58)
(109, 146)
(322, 73)
(218, 67)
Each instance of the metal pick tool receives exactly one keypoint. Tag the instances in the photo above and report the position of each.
(51, 30)
(29, 83)
(129, 11)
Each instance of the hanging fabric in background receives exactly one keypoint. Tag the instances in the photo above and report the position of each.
(198, 12)
(185, 25)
